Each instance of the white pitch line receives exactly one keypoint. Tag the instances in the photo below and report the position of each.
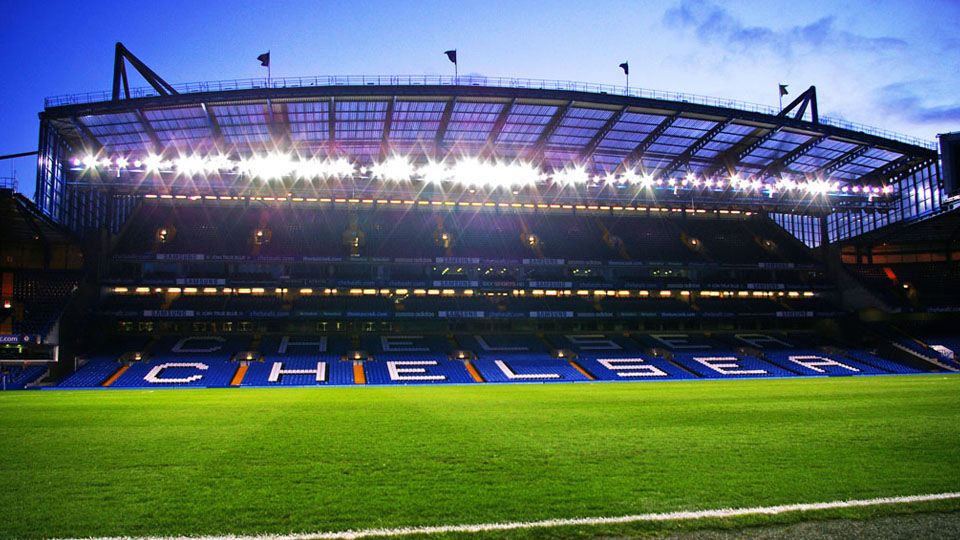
(508, 526)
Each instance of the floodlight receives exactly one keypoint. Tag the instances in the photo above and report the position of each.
(272, 166)
(189, 165)
(153, 162)
(340, 167)
(571, 176)
(434, 172)
(395, 168)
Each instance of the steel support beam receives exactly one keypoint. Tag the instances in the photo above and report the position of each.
(442, 129)
(148, 129)
(684, 158)
(840, 161)
(735, 154)
(607, 126)
(88, 137)
(215, 132)
(332, 126)
(490, 144)
(641, 148)
(122, 55)
(541, 144)
(807, 98)
(778, 165)
(890, 170)
(385, 136)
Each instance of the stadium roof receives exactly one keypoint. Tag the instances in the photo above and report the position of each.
(551, 123)
(23, 223)
(941, 228)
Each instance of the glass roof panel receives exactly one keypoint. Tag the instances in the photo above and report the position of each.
(472, 121)
(108, 119)
(360, 120)
(607, 162)
(525, 122)
(416, 120)
(309, 121)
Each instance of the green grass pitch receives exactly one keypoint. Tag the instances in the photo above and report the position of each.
(191, 462)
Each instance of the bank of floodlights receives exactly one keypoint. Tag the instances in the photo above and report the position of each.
(468, 171)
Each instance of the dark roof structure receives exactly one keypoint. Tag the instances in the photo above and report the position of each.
(553, 124)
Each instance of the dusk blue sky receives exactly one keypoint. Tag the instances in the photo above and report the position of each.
(886, 63)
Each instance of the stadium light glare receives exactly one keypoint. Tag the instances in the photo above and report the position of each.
(152, 162)
(340, 167)
(569, 176)
(471, 172)
(434, 172)
(272, 166)
(395, 168)
(517, 174)
(218, 162)
(628, 178)
(190, 165)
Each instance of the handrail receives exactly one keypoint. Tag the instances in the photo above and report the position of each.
(473, 80)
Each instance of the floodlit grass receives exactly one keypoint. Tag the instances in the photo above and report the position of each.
(85, 463)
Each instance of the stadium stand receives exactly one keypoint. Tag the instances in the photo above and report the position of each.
(18, 377)
(688, 241)
(727, 364)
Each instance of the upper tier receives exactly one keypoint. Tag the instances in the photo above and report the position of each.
(232, 231)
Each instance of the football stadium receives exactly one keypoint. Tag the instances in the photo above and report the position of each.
(345, 307)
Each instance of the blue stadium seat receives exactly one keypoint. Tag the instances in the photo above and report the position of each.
(598, 343)
(18, 377)
(817, 363)
(624, 366)
(871, 359)
(412, 368)
(720, 364)
(677, 341)
(401, 343)
(93, 373)
(485, 346)
(334, 371)
(279, 345)
(174, 373)
(526, 368)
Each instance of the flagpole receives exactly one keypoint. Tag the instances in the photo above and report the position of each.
(268, 72)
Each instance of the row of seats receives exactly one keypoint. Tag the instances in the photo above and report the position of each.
(175, 361)
(434, 369)
(928, 286)
(215, 346)
(576, 304)
(18, 377)
(298, 232)
(38, 299)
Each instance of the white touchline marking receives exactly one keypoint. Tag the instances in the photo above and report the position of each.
(485, 527)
